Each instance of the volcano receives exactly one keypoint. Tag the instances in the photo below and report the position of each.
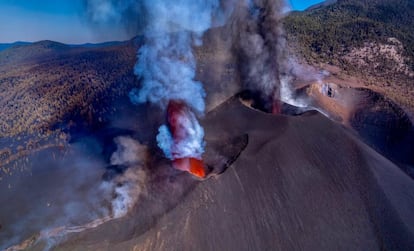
(81, 168)
(303, 182)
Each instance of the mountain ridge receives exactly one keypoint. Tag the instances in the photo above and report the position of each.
(5, 46)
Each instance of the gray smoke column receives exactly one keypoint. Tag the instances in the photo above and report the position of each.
(166, 65)
(260, 44)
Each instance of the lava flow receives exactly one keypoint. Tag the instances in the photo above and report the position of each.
(183, 126)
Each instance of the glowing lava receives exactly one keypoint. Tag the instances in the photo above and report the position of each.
(186, 150)
(191, 165)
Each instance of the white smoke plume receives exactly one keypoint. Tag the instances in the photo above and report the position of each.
(121, 194)
(166, 66)
(293, 71)
(129, 152)
(128, 187)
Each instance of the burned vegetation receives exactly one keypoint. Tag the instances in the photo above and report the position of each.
(45, 90)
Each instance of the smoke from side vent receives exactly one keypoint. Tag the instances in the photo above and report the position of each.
(260, 44)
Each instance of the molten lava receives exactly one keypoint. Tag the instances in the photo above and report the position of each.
(181, 125)
(191, 165)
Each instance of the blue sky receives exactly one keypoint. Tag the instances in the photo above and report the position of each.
(303, 4)
(57, 20)
(63, 21)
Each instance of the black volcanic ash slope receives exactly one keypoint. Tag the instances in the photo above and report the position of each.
(301, 183)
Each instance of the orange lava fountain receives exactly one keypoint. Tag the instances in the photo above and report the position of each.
(179, 116)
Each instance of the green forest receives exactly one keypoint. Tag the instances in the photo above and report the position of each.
(328, 32)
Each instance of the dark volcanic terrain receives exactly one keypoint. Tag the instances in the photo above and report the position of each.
(303, 183)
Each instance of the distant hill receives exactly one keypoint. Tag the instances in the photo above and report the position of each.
(8, 45)
(30, 51)
(25, 51)
(98, 45)
(4, 46)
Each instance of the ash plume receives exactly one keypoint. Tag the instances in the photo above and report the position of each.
(259, 43)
